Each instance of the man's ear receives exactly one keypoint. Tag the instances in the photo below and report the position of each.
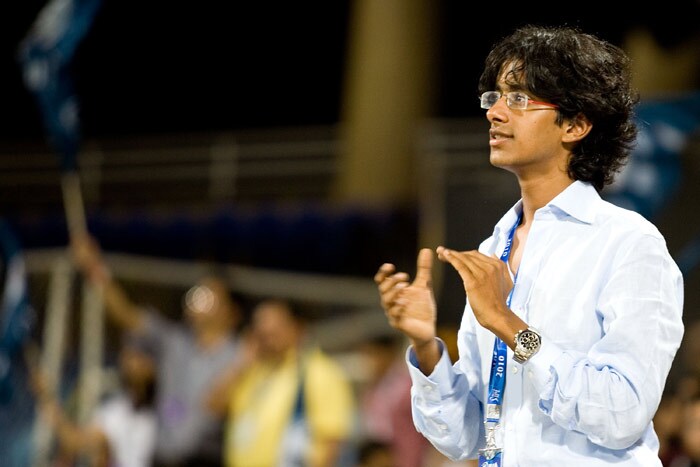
(577, 129)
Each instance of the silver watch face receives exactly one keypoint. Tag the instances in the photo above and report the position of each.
(529, 340)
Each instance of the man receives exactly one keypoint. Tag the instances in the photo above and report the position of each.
(574, 305)
(293, 405)
(191, 356)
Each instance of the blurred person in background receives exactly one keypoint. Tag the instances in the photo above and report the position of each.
(373, 453)
(667, 425)
(294, 405)
(688, 383)
(689, 434)
(191, 355)
(122, 430)
(385, 401)
(573, 311)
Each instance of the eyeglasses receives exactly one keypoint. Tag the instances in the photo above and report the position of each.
(514, 100)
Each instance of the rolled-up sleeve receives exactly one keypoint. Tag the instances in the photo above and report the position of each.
(611, 392)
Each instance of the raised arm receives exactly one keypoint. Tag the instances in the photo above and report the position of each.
(120, 308)
(218, 399)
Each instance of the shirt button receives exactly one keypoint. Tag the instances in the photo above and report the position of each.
(442, 427)
(427, 388)
(515, 369)
(530, 374)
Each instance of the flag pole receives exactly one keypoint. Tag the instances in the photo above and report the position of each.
(73, 203)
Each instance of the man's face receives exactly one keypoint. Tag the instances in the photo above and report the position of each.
(275, 329)
(136, 366)
(206, 304)
(525, 141)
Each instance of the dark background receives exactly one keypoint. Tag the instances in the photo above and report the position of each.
(171, 67)
(164, 66)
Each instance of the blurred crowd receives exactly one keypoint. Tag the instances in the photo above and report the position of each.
(235, 383)
(245, 384)
(677, 420)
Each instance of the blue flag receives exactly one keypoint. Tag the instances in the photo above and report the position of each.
(45, 55)
(16, 316)
(17, 319)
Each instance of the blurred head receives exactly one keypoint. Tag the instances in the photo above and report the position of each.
(277, 326)
(373, 453)
(380, 353)
(137, 368)
(208, 305)
(690, 428)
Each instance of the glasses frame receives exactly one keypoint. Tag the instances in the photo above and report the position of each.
(511, 101)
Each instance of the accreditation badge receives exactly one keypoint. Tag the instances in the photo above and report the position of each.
(490, 457)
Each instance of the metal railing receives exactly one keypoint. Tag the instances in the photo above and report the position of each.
(187, 169)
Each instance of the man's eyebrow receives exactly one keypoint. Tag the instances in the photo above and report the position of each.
(510, 87)
(515, 87)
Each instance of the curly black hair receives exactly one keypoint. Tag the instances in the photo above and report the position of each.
(582, 75)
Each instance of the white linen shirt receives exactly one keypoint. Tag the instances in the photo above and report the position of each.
(599, 285)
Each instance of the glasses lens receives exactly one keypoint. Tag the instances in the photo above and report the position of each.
(517, 100)
(489, 98)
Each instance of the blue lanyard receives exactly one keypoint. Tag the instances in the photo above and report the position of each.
(497, 381)
(490, 456)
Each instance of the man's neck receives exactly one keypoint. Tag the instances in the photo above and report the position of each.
(210, 338)
(537, 193)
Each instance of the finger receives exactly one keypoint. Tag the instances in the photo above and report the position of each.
(477, 262)
(424, 268)
(388, 297)
(473, 259)
(384, 270)
(458, 260)
(390, 282)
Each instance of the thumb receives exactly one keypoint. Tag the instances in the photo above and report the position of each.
(424, 268)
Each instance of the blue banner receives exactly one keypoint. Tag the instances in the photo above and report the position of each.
(16, 316)
(45, 55)
(17, 320)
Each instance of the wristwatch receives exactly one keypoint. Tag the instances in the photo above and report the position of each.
(527, 343)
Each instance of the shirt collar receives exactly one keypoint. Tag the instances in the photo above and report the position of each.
(509, 218)
(578, 200)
